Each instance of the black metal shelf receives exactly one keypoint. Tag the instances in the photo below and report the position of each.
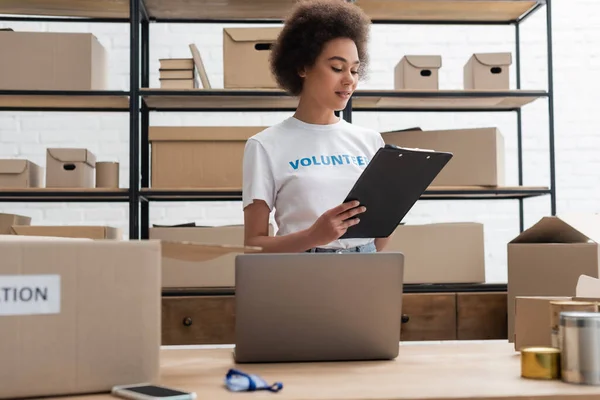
(52, 195)
(445, 193)
(407, 289)
(64, 100)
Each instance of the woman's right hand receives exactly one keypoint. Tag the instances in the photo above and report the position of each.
(333, 223)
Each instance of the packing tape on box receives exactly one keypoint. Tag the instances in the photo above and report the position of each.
(540, 363)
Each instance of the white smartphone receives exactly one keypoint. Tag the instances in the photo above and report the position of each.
(145, 391)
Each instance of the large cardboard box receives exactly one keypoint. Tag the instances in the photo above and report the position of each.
(78, 316)
(20, 174)
(73, 231)
(70, 168)
(487, 71)
(52, 61)
(198, 157)
(214, 270)
(8, 220)
(441, 252)
(417, 73)
(246, 54)
(478, 153)
(547, 258)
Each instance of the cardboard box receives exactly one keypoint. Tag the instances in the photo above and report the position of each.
(93, 317)
(70, 168)
(214, 269)
(52, 61)
(417, 73)
(89, 232)
(20, 174)
(487, 71)
(441, 252)
(8, 220)
(478, 154)
(532, 313)
(246, 54)
(198, 157)
(548, 258)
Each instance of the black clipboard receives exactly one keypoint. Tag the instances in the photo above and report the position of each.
(389, 187)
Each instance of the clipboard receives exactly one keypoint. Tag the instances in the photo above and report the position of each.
(389, 187)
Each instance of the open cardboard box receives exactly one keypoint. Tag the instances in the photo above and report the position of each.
(532, 313)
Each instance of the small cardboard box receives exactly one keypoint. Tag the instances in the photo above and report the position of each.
(52, 61)
(8, 220)
(20, 174)
(478, 154)
(487, 71)
(532, 313)
(198, 157)
(417, 73)
(214, 269)
(548, 258)
(246, 54)
(89, 232)
(78, 316)
(441, 252)
(70, 168)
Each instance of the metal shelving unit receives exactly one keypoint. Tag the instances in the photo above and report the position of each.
(140, 100)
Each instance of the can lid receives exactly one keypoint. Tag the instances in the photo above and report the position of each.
(580, 319)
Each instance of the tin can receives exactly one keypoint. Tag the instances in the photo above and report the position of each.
(540, 363)
(579, 338)
(556, 307)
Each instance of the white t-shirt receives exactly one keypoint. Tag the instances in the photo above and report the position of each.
(302, 170)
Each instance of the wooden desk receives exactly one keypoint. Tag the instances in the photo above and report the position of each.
(432, 371)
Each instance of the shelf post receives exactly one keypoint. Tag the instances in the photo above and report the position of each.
(134, 115)
(551, 107)
(519, 124)
(145, 121)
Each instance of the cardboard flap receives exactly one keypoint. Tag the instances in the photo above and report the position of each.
(73, 155)
(572, 229)
(414, 129)
(587, 287)
(494, 59)
(252, 34)
(425, 61)
(202, 133)
(189, 251)
(13, 166)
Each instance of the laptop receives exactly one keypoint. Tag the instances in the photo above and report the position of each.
(318, 306)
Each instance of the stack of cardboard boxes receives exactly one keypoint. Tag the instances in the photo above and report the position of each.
(177, 73)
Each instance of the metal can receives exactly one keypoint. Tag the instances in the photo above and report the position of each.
(556, 307)
(579, 338)
(540, 363)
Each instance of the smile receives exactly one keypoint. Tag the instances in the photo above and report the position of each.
(344, 95)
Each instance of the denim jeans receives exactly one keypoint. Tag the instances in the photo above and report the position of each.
(366, 248)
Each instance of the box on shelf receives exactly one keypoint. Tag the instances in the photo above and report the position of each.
(246, 58)
(95, 321)
(441, 252)
(215, 269)
(8, 220)
(107, 174)
(418, 72)
(198, 157)
(478, 153)
(487, 71)
(71, 231)
(548, 258)
(52, 61)
(70, 168)
(20, 174)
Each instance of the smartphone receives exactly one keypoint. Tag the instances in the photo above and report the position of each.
(144, 391)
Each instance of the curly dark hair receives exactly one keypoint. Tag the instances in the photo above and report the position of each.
(310, 25)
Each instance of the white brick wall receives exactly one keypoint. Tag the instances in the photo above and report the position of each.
(577, 117)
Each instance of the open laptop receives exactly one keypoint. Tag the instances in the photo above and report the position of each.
(318, 306)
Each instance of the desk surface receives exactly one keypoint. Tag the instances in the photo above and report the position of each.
(436, 371)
